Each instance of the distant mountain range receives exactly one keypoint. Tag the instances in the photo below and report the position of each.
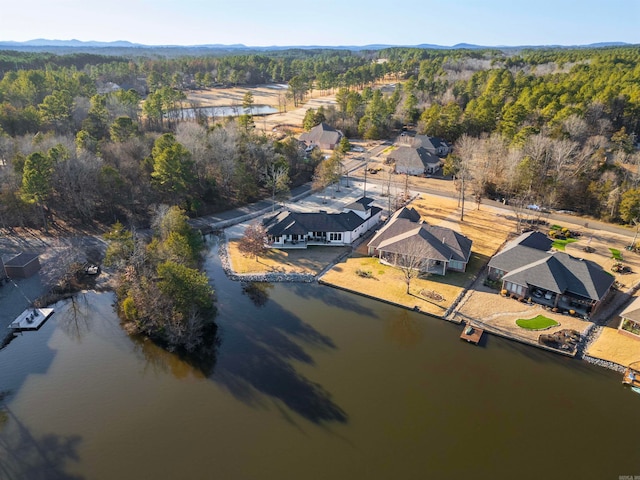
(42, 44)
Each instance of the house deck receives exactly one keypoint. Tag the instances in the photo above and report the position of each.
(471, 334)
(31, 319)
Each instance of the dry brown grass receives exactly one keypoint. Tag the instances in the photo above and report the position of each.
(219, 97)
(487, 228)
(615, 347)
(389, 283)
(311, 260)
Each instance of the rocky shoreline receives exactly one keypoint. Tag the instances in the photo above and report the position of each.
(272, 277)
(280, 277)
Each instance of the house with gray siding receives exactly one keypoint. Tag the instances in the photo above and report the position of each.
(442, 249)
(528, 268)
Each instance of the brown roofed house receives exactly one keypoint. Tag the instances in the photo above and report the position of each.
(323, 136)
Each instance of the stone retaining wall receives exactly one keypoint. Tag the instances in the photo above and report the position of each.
(271, 277)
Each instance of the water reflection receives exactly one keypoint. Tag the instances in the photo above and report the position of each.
(74, 320)
(158, 360)
(24, 455)
(258, 292)
(403, 329)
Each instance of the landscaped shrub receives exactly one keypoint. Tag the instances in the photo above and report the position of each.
(503, 292)
(632, 327)
(364, 273)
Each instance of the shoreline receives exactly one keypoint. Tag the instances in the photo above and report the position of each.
(449, 315)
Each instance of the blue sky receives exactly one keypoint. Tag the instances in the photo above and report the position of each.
(324, 22)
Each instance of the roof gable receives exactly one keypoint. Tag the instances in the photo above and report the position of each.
(413, 157)
(561, 273)
(404, 229)
(632, 312)
(299, 223)
(321, 134)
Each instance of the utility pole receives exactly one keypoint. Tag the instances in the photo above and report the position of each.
(366, 167)
(462, 197)
(406, 187)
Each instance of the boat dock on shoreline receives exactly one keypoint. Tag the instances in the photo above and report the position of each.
(471, 334)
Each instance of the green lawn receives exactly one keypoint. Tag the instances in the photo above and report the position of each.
(561, 244)
(536, 323)
(615, 253)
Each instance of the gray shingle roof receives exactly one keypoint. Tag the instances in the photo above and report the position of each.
(533, 239)
(297, 223)
(523, 250)
(361, 205)
(632, 312)
(562, 273)
(515, 257)
(440, 243)
(430, 144)
(321, 134)
(415, 158)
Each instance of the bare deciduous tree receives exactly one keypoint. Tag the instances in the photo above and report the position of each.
(411, 257)
(253, 240)
(276, 179)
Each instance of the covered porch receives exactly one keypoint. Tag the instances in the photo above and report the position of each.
(428, 267)
(564, 302)
(334, 239)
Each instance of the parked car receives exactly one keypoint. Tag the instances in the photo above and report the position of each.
(357, 149)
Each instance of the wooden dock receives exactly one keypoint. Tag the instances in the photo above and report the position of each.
(31, 319)
(631, 377)
(471, 334)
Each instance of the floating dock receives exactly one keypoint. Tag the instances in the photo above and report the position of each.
(631, 377)
(31, 319)
(471, 334)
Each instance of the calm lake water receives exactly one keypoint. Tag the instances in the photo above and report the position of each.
(308, 383)
(190, 113)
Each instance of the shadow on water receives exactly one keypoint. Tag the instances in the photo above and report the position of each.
(259, 342)
(181, 365)
(333, 298)
(255, 362)
(258, 292)
(25, 456)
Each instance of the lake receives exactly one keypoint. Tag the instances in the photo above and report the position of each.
(308, 382)
(222, 111)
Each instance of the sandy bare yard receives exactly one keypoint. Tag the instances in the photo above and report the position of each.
(615, 347)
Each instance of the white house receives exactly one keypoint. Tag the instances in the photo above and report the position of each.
(299, 230)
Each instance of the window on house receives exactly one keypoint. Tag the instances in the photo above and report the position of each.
(335, 236)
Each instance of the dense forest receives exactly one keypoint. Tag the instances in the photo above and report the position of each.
(86, 138)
